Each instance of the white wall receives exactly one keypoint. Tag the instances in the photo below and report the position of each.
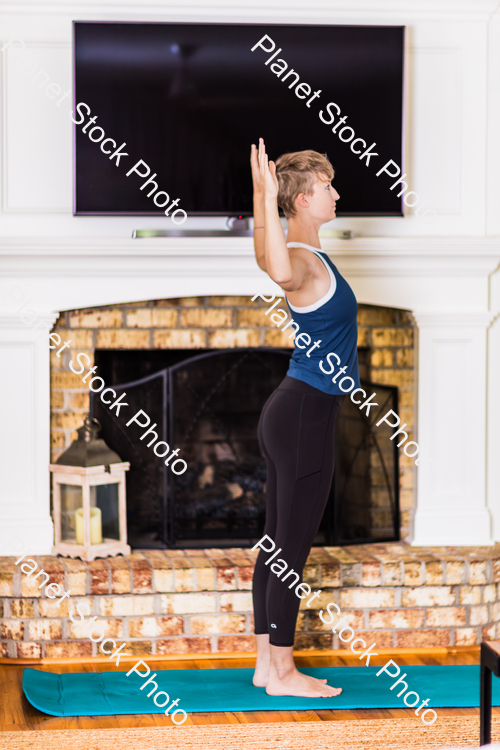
(443, 271)
(447, 126)
(493, 229)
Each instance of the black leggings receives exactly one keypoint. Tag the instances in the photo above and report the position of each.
(296, 436)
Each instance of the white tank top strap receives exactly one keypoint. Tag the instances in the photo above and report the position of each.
(333, 281)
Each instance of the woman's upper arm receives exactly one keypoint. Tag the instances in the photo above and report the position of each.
(300, 273)
(261, 262)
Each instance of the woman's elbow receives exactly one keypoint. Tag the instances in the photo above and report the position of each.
(284, 277)
(280, 279)
(287, 284)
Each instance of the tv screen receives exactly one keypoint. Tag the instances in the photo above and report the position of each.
(188, 99)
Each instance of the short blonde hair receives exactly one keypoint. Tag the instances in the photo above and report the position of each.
(297, 172)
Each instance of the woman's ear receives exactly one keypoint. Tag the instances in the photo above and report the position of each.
(302, 200)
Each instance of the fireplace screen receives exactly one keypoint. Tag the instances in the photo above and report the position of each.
(208, 406)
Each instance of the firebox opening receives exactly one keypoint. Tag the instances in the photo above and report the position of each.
(208, 404)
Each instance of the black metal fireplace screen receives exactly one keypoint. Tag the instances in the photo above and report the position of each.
(208, 406)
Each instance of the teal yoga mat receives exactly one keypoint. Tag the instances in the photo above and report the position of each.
(206, 690)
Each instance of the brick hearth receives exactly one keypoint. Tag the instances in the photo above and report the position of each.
(199, 601)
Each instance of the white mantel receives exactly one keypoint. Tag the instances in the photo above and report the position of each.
(446, 273)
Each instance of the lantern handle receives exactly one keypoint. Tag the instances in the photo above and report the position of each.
(91, 428)
(91, 423)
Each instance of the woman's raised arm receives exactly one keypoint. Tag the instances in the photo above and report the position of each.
(258, 210)
(289, 275)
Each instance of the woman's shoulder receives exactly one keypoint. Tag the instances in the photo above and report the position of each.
(305, 255)
(308, 253)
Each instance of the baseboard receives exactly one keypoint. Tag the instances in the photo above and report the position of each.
(342, 652)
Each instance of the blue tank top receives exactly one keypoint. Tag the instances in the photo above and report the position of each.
(333, 320)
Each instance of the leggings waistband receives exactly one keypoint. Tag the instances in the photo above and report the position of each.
(292, 384)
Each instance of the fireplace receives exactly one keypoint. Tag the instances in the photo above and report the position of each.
(132, 341)
(208, 404)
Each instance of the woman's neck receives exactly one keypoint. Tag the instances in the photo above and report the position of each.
(300, 232)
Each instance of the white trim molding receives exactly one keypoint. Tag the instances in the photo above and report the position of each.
(452, 504)
(25, 435)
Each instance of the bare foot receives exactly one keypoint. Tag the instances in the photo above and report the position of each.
(261, 674)
(314, 681)
(293, 682)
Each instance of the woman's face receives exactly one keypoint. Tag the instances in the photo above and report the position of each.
(322, 201)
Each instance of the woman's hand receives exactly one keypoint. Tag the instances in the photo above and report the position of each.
(267, 171)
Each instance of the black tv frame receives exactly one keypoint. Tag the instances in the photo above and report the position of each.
(176, 230)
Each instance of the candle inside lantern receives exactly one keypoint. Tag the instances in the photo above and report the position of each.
(95, 526)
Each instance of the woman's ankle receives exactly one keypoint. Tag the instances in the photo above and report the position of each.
(282, 659)
(263, 648)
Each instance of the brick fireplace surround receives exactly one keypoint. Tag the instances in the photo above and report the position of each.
(199, 601)
(221, 322)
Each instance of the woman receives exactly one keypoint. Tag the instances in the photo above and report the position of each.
(297, 424)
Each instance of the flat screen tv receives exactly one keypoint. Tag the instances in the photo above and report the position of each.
(188, 99)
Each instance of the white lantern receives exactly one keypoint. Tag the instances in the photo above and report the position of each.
(90, 516)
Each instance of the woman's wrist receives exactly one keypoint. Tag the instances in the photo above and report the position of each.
(270, 204)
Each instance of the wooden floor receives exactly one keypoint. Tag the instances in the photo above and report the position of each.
(17, 714)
